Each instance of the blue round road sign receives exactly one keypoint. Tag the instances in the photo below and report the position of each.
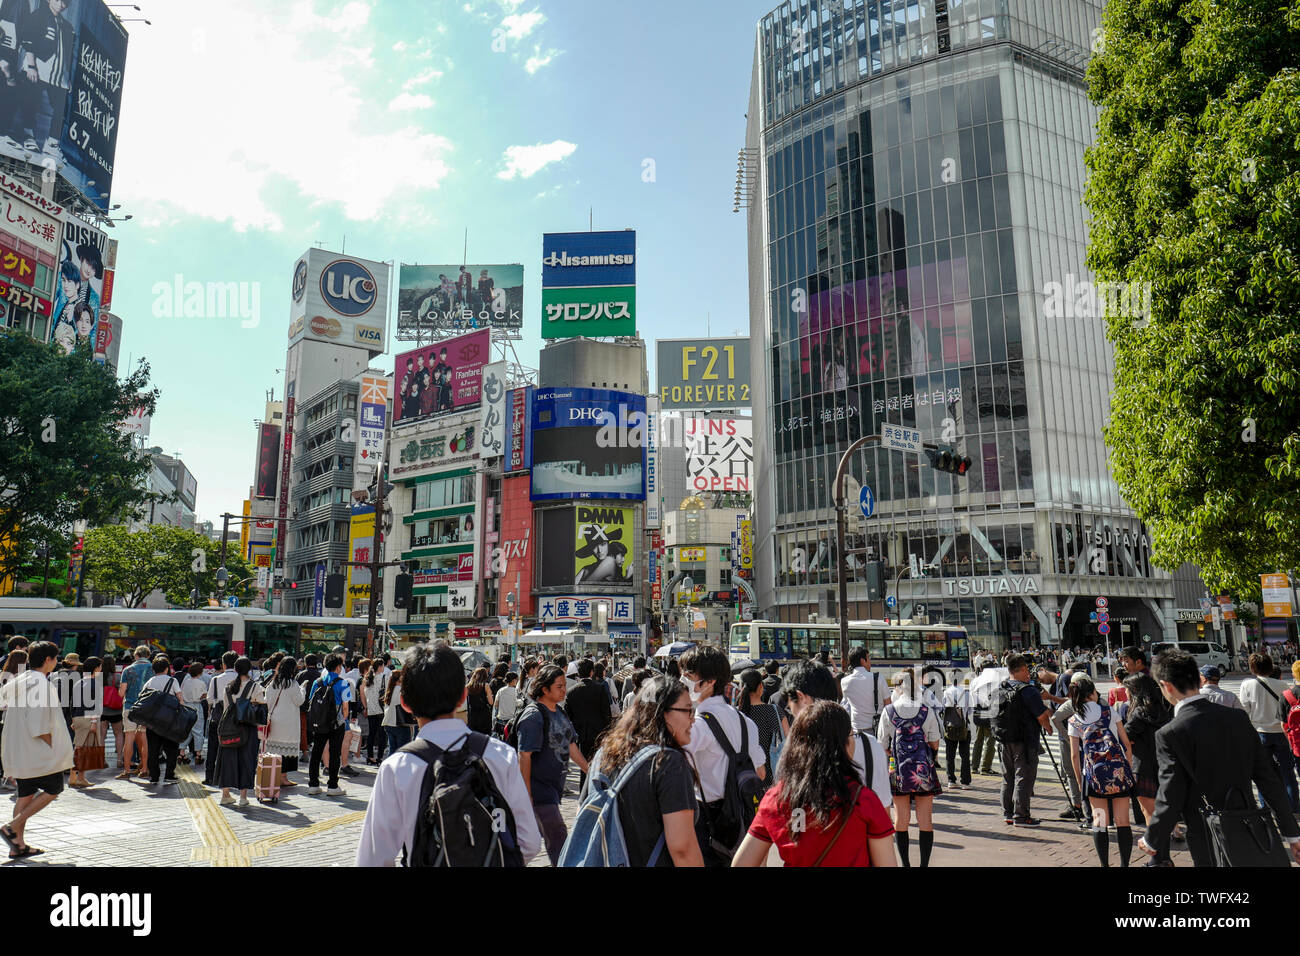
(867, 499)
(890, 601)
(1103, 628)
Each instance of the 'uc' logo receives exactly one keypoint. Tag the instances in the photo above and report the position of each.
(299, 280)
(347, 287)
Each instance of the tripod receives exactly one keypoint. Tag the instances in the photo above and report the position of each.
(1082, 823)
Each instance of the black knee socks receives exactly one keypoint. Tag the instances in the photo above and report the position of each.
(1125, 835)
(900, 840)
(927, 844)
(1101, 840)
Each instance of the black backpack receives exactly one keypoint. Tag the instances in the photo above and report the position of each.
(1008, 713)
(729, 820)
(954, 724)
(512, 728)
(868, 760)
(463, 820)
(322, 709)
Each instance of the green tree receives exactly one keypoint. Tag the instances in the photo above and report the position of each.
(1194, 188)
(131, 565)
(63, 457)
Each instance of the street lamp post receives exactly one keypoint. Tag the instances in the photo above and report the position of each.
(79, 529)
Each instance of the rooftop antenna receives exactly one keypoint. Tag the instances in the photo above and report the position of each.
(345, 244)
(706, 325)
(465, 254)
(591, 218)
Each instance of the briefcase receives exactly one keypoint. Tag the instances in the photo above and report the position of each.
(1245, 837)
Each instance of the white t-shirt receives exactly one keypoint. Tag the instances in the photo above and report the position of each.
(905, 710)
(375, 694)
(193, 689)
(160, 682)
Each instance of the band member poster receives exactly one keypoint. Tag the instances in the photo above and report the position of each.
(460, 297)
(78, 285)
(446, 376)
(603, 540)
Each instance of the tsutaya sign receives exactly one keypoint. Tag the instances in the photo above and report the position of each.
(993, 585)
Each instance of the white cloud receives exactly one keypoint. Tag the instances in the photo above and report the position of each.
(523, 162)
(410, 101)
(519, 25)
(539, 59)
(235, 138)
(424, 76)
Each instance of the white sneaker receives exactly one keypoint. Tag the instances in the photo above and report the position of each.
(314, 790)
(335, 791)
(227, 801)
(243, 800)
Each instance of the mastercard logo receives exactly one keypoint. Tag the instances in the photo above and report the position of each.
(323, 325)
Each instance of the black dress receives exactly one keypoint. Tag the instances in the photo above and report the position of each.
(238, 767)
(479, 717)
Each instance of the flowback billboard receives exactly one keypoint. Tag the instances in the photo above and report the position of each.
(703, 373)
(463, 298)
(443, 377)
(584, 444)
(588, 284)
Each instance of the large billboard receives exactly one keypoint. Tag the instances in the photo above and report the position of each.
(446, 376)
(653, 417)
(514, 561)
(719, 453)
(372, 417)
(603, 552)
(79, 284)
(59, 109)
(587, 443)
(517, 429)
(448, 441)
(361, 539)
(29, 217)
(342, 300)
(703, 373)
(588, 284)
(268, 444)
(437, 298)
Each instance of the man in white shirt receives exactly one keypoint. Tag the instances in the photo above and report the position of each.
(433, 689)
(958, 698)
(706, 672)
(807, 681)
(865, 693)
(35, 748)
(1261, 699)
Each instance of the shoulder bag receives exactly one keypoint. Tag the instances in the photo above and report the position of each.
(231, 732)
(844, 822)
(247, 712)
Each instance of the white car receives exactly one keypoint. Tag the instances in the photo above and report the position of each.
(1205, 652)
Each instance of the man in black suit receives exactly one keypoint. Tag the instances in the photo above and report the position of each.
(1211, 747)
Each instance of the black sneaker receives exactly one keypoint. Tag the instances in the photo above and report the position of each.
(1074, 813)
(1009, 821)
(1028, 822)
(350, 771)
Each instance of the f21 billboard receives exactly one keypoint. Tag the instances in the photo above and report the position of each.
(64, 62)
(587, 443)
(342, 300)
(703, 373)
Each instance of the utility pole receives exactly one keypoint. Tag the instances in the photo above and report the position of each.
(375, 555)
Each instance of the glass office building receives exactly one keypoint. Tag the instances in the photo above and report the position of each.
(915, 176)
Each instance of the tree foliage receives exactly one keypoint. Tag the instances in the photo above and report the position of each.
(1194, 187)
(63, 457)
(131, 565)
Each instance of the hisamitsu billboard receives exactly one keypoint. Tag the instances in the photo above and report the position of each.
(703, 373)
(588, 284)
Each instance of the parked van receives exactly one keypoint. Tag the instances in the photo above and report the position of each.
(1205, 652)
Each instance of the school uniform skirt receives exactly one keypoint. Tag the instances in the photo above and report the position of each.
(239, 765)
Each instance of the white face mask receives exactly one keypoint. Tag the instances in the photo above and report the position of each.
(690, 687)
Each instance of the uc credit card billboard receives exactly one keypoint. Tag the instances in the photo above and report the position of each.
(588, 284)
(340, 299)
(587, 443)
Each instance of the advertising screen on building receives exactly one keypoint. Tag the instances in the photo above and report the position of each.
(513, 562)
(342, 300)
(448, 441)
(268, 448)
(78, 285)
(703, 373)
(719, 453)
(492, 422)
(443, 377)
(603, 552)
(587, 443)
(27, 216)
(461, 298)
(60, 109)
(517, 428)
(372, 416)
(588, 284)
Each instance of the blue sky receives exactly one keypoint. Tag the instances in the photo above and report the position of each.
(247, 137)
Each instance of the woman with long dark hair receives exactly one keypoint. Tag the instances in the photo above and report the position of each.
(1103, 762)
(397, 722)
(818, 813)
(478, 702)
(238, 766)
(656, 804)
(771, 725)
(1147, 713)
(86, 730)
(285, 698)
(372, 700)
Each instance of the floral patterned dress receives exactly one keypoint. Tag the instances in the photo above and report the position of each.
(913, 772)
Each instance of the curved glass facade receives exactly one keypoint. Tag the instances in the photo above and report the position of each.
(916, 165)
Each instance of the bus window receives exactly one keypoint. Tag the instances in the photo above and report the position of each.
(122, 639)
(902, 645)
(774, 642)
(799, 642)
(322, 640)
(876, 644)
(857, 637)
(264, 638)
(32, 630)
(202, 642)
(958, 649)
(935, 646)
(739, 639)
(83, 641)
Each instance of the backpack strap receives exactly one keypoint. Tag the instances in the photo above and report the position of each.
(624, 775)
(868, 759)
(714, 725)
(426, 750)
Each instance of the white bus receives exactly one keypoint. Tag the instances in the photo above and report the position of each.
(204, 634)
(945, 647)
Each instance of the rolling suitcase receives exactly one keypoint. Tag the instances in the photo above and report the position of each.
(267, 785)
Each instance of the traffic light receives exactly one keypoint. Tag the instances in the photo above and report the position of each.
(334, 585)
(950, 461)
(875, 580)
(1058, 615)
(402, 585)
